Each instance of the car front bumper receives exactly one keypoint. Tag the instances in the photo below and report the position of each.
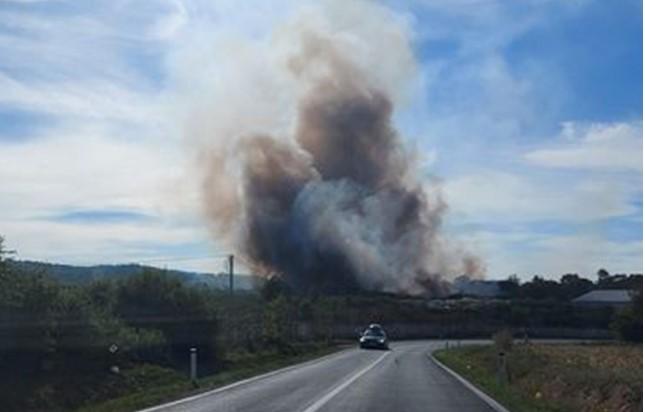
(373, 344)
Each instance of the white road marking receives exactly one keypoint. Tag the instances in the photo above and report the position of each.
(245, 381)
(322, 401)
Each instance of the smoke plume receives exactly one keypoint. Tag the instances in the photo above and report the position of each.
(334, 203)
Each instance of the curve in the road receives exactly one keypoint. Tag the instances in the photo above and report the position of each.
(402, 380)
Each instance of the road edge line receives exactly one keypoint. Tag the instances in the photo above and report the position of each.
(338, 389)
(481, 394)
(243, 382)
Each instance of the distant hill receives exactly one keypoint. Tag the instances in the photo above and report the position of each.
(86, 274)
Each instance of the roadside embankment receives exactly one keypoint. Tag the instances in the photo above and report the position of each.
(555, 377)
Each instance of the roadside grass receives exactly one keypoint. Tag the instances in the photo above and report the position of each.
(151, 385)
(556, 377)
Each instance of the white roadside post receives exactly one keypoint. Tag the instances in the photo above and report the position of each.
(193, 364)
(502, 372)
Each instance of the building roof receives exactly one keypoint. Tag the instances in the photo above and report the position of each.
(605, 296)
(480, 288)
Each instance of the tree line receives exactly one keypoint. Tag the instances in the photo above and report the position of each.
(79, 332)
(570, 285)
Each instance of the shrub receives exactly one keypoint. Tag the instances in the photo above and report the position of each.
(157, 301)
(628, 322)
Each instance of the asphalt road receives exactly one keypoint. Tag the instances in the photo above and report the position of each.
(400, 380)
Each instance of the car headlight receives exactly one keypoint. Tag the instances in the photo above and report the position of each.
(362, 340)
(381, 340)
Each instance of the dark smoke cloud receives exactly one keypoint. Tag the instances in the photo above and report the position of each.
(338, 206)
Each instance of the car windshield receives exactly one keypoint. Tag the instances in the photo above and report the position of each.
(374, 332)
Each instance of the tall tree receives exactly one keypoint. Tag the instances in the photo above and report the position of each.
(603, 276)
(572, 285)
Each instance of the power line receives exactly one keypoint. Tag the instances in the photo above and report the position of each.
(180, 259)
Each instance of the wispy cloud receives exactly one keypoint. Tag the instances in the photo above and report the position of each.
(616, 146)
(572, 205)
(528, 253)
(94, 94)
(100, 216)
(502, 196)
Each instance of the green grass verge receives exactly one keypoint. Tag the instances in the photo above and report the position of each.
(159, 385)
(555, 378)
(471, 362)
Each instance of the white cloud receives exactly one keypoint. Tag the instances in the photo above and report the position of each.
(494, 195)
(115, 142)
(527, 253)
(156, 243)
(73, 169)
(109, 142)
(168, 25)
(524, 192)
(95, 99)
(83, 168)
(616, 146)
(549, 214)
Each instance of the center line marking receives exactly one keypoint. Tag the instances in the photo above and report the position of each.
(322, 401)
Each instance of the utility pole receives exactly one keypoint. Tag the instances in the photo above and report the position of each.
(230, 273)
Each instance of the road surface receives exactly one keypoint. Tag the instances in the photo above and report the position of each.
(403, 379)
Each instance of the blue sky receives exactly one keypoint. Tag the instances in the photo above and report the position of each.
(529, 113)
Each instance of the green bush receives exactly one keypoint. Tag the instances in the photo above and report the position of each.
(158, 302)
(628, 322)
